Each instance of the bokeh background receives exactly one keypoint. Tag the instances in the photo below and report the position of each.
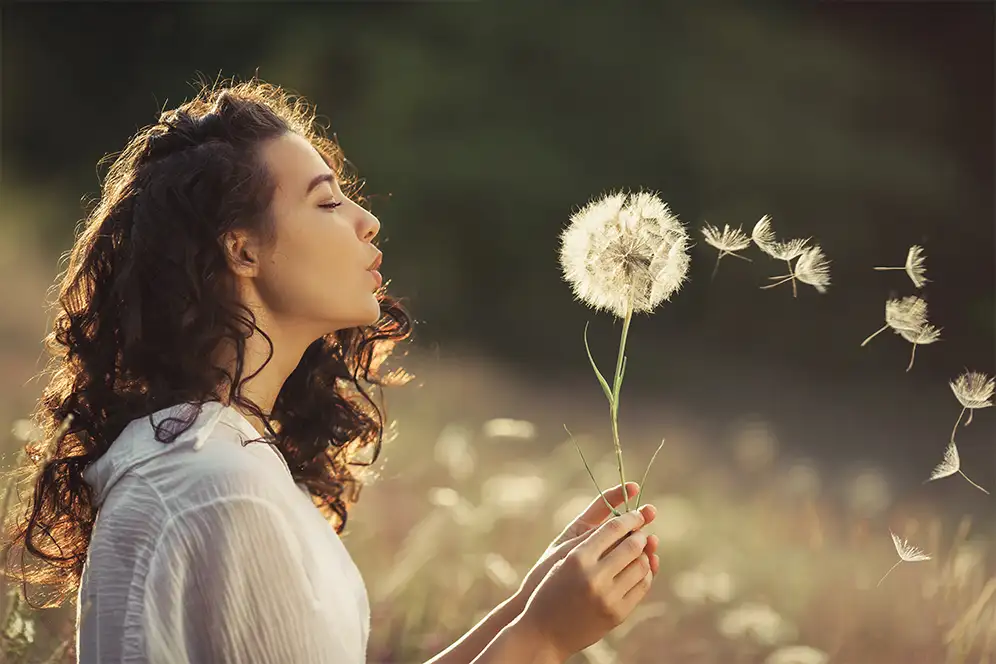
(480, 127)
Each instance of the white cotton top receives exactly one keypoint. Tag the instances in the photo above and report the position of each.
(205, 550)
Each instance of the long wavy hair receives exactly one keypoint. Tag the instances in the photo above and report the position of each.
(147, 297)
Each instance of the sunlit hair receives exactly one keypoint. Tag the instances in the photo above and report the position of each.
(146, 299)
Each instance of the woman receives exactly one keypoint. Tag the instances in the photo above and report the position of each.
(224, 292)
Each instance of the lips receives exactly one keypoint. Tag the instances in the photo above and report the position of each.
(378, 279)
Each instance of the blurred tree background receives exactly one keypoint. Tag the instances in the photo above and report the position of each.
(481, 126)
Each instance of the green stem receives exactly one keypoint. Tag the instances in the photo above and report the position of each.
(617, 385)
(643, 482)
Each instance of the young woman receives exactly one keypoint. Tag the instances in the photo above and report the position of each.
(224, 291)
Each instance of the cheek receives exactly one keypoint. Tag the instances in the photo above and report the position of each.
(311, 277)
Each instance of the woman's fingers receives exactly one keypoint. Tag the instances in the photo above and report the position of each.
(628, 550)
(609, 533)
(637, 582)
(598, 511)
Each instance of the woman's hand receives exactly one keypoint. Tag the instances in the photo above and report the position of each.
(593, 589)
(578, 530)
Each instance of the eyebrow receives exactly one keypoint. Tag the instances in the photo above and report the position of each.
(319, 179)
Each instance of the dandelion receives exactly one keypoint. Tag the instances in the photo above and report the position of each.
(908, 313)
(907, 554)
(951, 464)
(787, 250)
(914, 267)
(812, 268)
(926, 334)
(728, 241)
(623, 254)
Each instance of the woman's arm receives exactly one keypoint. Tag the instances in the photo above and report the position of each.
(504, 636)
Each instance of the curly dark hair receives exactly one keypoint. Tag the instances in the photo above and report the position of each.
(147, 296)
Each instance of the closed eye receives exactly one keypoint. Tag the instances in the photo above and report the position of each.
(329, 206)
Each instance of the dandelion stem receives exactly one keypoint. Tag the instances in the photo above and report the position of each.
(912, 357)
(643, 482)
(743, 258)
(612, 509)
(972, 483)
(888, 268)
(792, 272)
(617, 385)
(884, 328)
(969, 420)
(887, 573)
(716, 268)
(957, 422)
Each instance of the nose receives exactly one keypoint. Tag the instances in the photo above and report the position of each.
(369, 226)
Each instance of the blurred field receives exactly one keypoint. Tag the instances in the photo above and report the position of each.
(756, 554)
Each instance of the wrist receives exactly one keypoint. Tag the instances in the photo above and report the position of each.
(541, 648)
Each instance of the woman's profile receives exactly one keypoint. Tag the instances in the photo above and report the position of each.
(219, 326)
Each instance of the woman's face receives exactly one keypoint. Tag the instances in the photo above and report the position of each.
(313, 274)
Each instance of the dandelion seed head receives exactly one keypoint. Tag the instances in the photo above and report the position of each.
(915, 268)
(621, 246)
(908, 313)
(728, 240)
(926, 334)
(907, 552)
(973, 389)
(949, 465)
(813, 268)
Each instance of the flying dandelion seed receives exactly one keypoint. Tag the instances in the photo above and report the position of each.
(764, 237)
(951, 464)
(927, 334)
(728, 241)
(907, 554)
(811, 268)
(974, 390)
(623, 253)
(908, 313)
(914, 267)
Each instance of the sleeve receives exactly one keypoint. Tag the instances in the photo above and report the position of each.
(227, 585)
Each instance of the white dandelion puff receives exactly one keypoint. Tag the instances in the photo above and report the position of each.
(728, 241)
(926, 334)
(914, 266)
(908, 313)
(812, 268)
(907, 554)
(625, 253)
(951, 464)
(764, 237)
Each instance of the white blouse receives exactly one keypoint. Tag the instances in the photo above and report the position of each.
(205, 550)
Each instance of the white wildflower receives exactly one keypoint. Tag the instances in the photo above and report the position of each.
(798, 655)
(625, 253)
(907, 554)
(504, 427)
(914, 266)
(758, 621)
(728, 241)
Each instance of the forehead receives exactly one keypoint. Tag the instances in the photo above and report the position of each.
(292, 162)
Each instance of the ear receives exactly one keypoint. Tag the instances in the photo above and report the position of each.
(242, 252)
